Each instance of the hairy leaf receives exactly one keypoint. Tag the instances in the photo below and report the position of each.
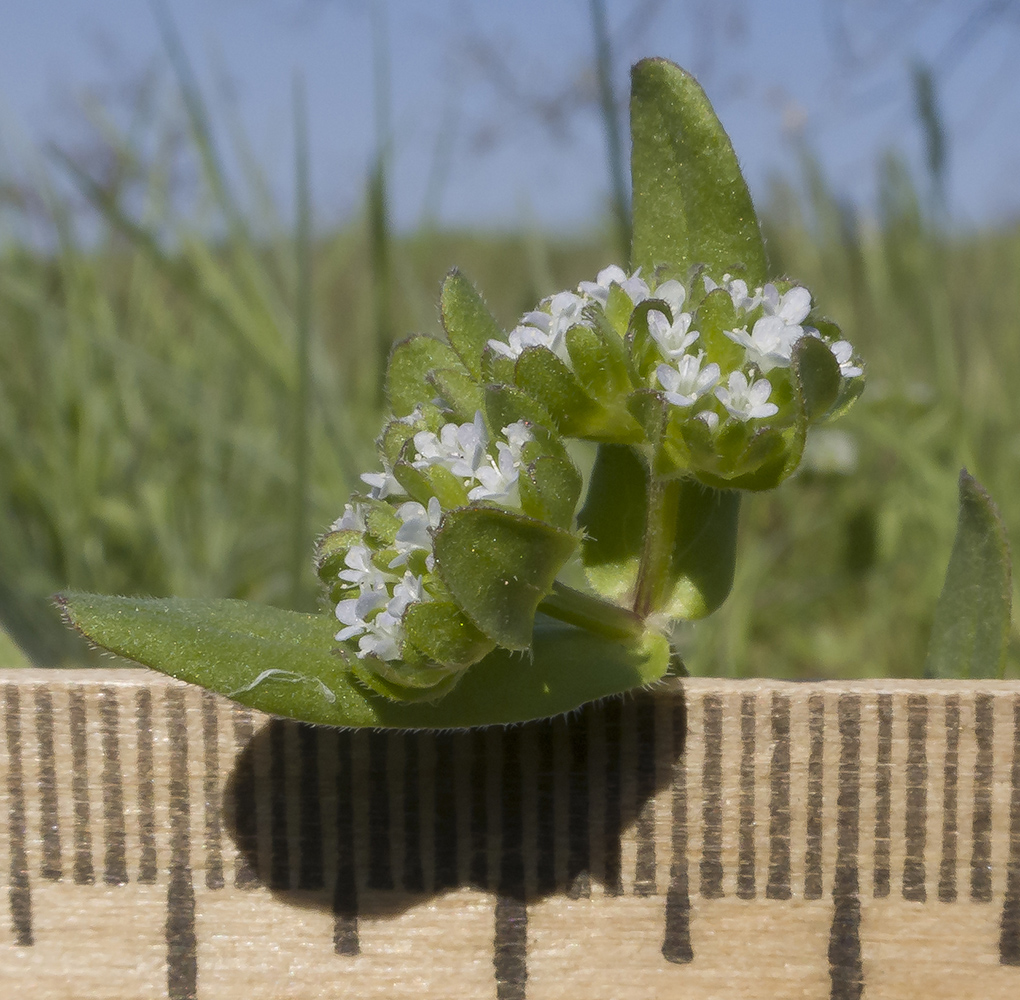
(284, 663)
(691, 204)
(971, 629)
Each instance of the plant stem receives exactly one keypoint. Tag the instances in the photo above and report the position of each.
(660, 535)
(592, 613)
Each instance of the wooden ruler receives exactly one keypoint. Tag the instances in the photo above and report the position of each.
(715, 839)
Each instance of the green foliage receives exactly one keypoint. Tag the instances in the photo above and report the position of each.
(285, 663)
(970, 633)
(691, 205)
(499, 565)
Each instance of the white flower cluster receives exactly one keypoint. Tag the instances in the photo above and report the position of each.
(384, 594)
(686, 379)
(547, 327)
(684, 374)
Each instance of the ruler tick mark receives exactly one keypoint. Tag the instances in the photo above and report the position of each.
(211, 791)
(146, 789)
(181, 944)
(20, 893)
(882, 875)
(711, 804)
(917, 799)
(778, 886)
(1009, 931)
(115, 860)
(950, 783)
(84, 873)
(676, 944)
(815, 798)
(845, 966)
(745, 833)
(981, 856)
(49, 823)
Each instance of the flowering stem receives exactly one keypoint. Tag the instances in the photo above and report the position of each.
(660, 536)
(591, 613)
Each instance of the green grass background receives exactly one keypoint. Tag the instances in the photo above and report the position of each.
(188, 393)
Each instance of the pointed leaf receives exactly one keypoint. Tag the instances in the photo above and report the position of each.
(498, 566)
(467, 321)
(410, 363)
(818, 373)
(541, 374)
(599, 362)
(550, 487)
(444, 634)
(284, 663)
(691, 204)
(460, 391)
(970, 633)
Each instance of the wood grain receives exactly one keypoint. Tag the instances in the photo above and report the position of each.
(708, 839)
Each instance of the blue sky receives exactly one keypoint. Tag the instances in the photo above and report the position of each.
(489, 120)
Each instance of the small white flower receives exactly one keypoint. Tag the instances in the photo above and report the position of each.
(461, 448)
(792, 307)
(634, 285)
(673, 338)
(410, 590)
(843, 351)
(599, 288)
(498, 479)
(361, 571)
(383, 637)
(352, 519)
(673, 293)
(746, 402)
(738, 292)
(770, 343)
(383, 484)
(710, 417)
(687, 383)
(415, 534)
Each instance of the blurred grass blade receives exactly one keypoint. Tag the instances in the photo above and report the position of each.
(971, 628)
(284, 663)
(303, 332)
(611, 123)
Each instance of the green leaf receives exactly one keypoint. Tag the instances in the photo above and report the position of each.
(704, 552)
(444, 634)
(467, 321)
(457, 388)
(498, 566)
(970, 632)
(284, 663)
(691, 204)
(818, 374)
(550, 487)
(505, 405)
(715, 315)
(410, 363)
(600, 362)
(613, 520)
(541, 374)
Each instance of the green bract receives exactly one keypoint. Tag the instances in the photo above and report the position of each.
(693, 377)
